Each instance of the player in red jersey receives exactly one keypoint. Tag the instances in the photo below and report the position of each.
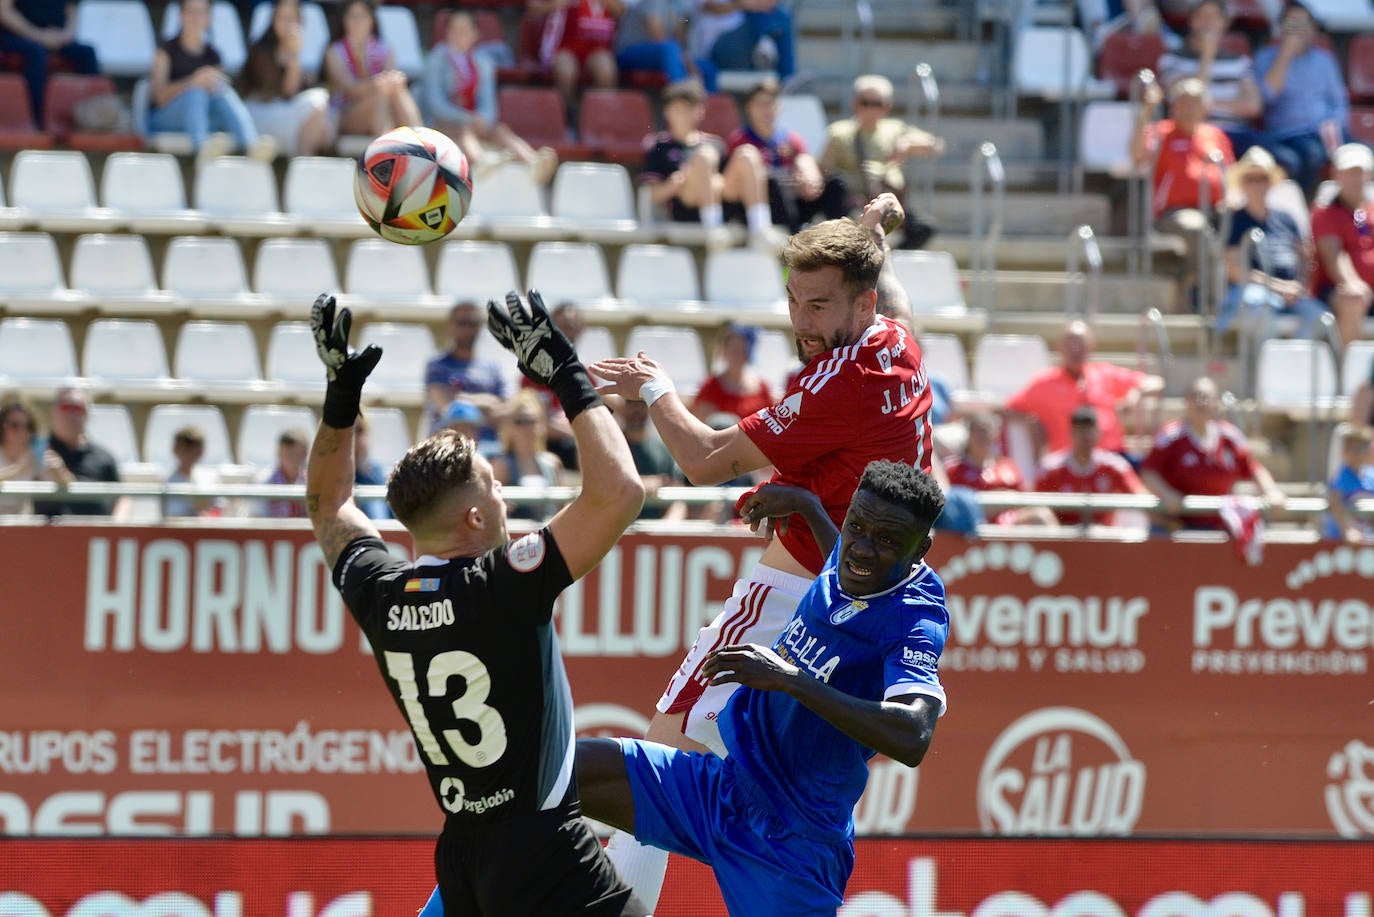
(1085, 469)
(863, 395)
(1200, 455)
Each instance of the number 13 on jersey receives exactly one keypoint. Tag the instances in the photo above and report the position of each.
(470, 706)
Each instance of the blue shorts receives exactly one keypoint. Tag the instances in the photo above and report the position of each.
(701, 806)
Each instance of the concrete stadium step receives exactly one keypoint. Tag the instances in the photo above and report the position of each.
(1015, 139)
(952, 61)
(895, 17)
(1030, 251)
(1051, 291)
(1027, 213)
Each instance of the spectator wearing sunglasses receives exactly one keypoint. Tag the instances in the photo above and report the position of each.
(525, 459)
(457, 374)
(23, 456)
(82, 460)
(1345, 242)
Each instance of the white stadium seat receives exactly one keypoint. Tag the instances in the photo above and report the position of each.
(11, 218)
(1045, 55)
(395, 278)
(507, 203)
(1343, 15)
(573, 271)
(220, 359)
(775, 356)
(239, 197)
(596, 343)
(471, 271)
(658, 276)
(226, 32)
(31, 275)
(121, 31)
(1288, 196)
(677, 349)
(36, 353)
(291, 359)
(1104, 137)
(487, 349)
(388, 436)
(318, 194)
(406, 350)
(1003, 363)
(57, 189)
(147, 193)
(397, 27)
(207, 274)
(1286, 372)
(294, 271)
(314, 28)
(117, 272)
(164, 420)
(1356, 365)
(128, 357)
(597, 200)
(745, 279)
(944, 356)
(806, 115)
(260, 427)
(931, 281)
(112, 426)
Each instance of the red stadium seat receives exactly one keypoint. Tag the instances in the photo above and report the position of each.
(646, 80)
(613, 122)
(60, 99)
(528, 67)
(1124, 54)
(1359, 72)
(1250, 15)
(536, 113)
(1362, 125)
(17, 130)
(722, 114)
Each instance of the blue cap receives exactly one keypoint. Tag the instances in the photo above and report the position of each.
(462, 412)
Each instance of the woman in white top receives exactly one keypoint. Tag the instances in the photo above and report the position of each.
(279, 93)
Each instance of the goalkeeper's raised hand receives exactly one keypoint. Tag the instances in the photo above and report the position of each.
(345, 369)
(543, 352)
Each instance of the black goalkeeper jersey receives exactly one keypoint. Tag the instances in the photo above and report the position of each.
(467, 649)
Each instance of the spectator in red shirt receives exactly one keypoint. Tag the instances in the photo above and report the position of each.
(1052, 394)
(1200, 455)
(576, 44)
(1345, 242)
(982, 466)
(1187, 155)
(736, 389)
(1083, 468)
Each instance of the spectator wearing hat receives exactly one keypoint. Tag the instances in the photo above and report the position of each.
(1083, 468)
(464, 417)
(1306, 105)
(1229, 77)
(188, 448)
(1275, 279)
(1344, 235)
(737, 389)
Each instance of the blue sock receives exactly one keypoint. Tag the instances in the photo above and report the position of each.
(434, 907)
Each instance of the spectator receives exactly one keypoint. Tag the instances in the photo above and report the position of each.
(576, 45)
(1354, 480)
(982, 467)
(1051, 395)
(797, 189)
(744, 35)
(79, 459)
(1344, 236)
(1083, 468)
(1188, 157)
(22, 456)
(868, 150)
(463, 417)
(1306, 107)
(459, 95)
(1275, 280)
(682, 168)
(36, 30)
(652, 460)
(645, 40)
(191, 94)
(279, 94)
(737, 389)
(293, 448)
(370, 96)
(1229, 78)
(524, 459)
(458, 374)
(367, 470)
(188, 448)
(1140, 17)
(1200, 455)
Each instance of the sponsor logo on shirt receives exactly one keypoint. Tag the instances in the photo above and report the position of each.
(920, 658)
(453, 795)
(839, 616)
(781, 415)
(528, 553)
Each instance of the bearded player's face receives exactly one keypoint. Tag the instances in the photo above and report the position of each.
(825, 314)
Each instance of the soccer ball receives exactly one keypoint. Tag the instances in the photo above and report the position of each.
(412, 185)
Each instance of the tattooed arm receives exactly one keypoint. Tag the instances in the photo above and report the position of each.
(329, 493)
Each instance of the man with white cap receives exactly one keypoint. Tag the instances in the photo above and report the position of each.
(1344, 233)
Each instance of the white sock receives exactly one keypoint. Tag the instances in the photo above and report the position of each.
(759, 216)
(712, 215)
(641, 866)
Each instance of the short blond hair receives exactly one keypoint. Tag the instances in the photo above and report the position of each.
(842, 243)
(1192, 87)
(872, 82)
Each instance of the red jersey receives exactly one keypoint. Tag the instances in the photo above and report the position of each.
(1182, 161)
(1105, 473)
(1355, 229)
(1206, 467)
(999, 474)
(850, 406)
(714, 393)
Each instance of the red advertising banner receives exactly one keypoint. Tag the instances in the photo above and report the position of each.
(322, 877)
(209, 681)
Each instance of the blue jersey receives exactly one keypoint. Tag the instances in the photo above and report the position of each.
(875, 648)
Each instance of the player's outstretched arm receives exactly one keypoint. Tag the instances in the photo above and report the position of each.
(612, 493)
(329, 472)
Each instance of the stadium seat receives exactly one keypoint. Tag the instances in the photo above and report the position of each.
(207, 276)
(1288, 196)
(31, 275)
(806, 115)
(1003, 363)
(613, 122)
(1356, 365)
(1362, 125)
(744, 279)
(226, 32)
(574, 271)
(294, 271)
(1052, 62)
(397, 27)
(1359, 73)
(471, 271)
(121, 31)
(388, 436)
(507, 203)
(775, 357)
(658, 277)
(1285, 374)
(384, 276)
(722, 115)
(11, 218)
(164, 420)
(314, 26)
(112, 426)
(1104, 138)
(220, 360)
(146, 191)
(597, 200)
(262, 424)
(127, 358)
(487, 349)
(291, 360)
(57, 188)
(931, 281)
(527, 67)
(36, 353)
(67, 90)
(17, 128)
(944, 356)
(117, 272)
(678, 350)
(536, 114)
(596, 343)
(238, 196)
(318, 195)
(1126, 53)
(406, 351)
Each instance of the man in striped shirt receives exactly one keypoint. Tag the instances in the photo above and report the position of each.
(1229, 77)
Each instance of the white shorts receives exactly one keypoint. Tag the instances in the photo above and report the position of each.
(756, 612)
(282, 118)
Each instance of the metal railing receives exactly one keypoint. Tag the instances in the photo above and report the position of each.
(986, 168)
(1320, 416)
(1251, 330)
(923, 109)
(1150, 329)
(1083, 249)
(1139, 207)
(1211, 266)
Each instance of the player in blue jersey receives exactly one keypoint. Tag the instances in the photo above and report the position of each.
(853, 673)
